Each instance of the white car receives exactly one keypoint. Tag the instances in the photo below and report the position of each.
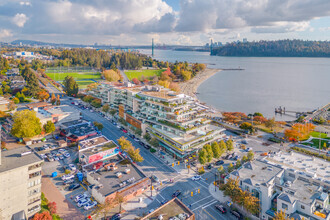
(197, 177)
(61, 150)
(43, 156)
(248, 149)
(80, 197)
(67, 177)
(118, 126)
(67, 155)
(72, 167)
(61, 157)
(90, 205)
(136, 139)
(56, 158)
(83, 202)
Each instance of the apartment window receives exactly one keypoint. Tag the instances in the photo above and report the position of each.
(33, 200)
(292, 175)
(34, 166)
(35, 174)
(284, 206)
(34, 183)
(34, 209)
(302, 207)
(34, 191)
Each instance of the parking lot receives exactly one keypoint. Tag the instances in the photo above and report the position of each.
(62, 161)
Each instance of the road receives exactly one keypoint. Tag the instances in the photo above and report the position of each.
(202, 204)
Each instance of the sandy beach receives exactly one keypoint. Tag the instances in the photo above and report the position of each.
(190, 87)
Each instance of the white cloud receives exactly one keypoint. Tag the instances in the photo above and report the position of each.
(20, 19)
(25, 3)
(4, 33)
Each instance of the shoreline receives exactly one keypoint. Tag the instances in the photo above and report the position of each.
(190, 87)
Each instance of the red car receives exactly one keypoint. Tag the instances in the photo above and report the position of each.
(125, 131)
(221, 208)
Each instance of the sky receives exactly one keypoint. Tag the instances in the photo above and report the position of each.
(182, 22)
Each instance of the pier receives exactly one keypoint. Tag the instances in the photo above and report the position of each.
(283, 111)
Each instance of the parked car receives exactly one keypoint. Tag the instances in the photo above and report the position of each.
(69, 181)
(236, 214)
(155, 178)
(116, 216)
(118, 126)
(72, 167)
(90, 205)
(164, 201)
(43, 156)
(61, 157)
(197, 177)
(67, 155)
(209, 166)
(125, 131)
(136, 139)
(80, 197)
(248, 149)
(67, 177)
(83, 202)
(56, 158)
(146, 146)
(114, 123)
(219, 162)
(74, 186)
(221, 209)
(236, 157)
(176, 193)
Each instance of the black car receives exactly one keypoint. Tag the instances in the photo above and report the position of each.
(146, 146)
(236, 214)
(221, 209)
(193, 164)
(209, 166)
(219, 162)
(74, 186)
(176, 193)
(142, 144)
(116, 216)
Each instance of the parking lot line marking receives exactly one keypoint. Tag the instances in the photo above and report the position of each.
(209, 214)
(83, 187)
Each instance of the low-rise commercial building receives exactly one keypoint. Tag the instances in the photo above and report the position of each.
(20, 183)
(173, 209)
(78, 130)
(284, 187)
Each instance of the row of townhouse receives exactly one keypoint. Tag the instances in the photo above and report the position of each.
(283, 182)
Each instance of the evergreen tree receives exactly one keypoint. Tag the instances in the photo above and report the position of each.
(70, 86)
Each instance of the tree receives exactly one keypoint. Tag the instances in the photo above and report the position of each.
(43, 95)
(45, 215)
(53, 99)
(49, 127)
(135, 154)
(250, 155)
(238, 164)
(105, 108)
(174, 87)
(246, 126)
(26, 124)
(209, 152)
(98, 125)
(113, 112)
(111, 75)
(221, 170)
(222, 146)
(147, 136)
(230, 145)
(15, 100)
(124, 143)
(58, 100)
(230, 168)
(70, 86)
(96, 103)
(202, 156)
(32, 82)
(270, 123)
(52, 207)
(216, 150)
(154, 142)
(281, 216)
(244, 159)
(258, 114)
(136, 81)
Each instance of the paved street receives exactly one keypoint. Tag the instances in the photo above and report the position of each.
(201, 203)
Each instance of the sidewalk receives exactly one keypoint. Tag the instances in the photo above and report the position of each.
(136, 208)
(64, 208)
(218, 194)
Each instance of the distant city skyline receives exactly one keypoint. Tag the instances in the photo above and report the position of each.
(185, 22)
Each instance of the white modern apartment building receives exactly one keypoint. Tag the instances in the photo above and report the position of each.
(176, 120)
(20, 183)
(282, 182)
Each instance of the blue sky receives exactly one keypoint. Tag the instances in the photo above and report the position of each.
(185, 22)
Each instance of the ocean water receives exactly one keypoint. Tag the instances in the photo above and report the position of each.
(298, 84)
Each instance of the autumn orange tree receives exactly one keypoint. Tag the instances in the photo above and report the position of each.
(299, 131)
(42, 95)
(234, 117)
(45, 215)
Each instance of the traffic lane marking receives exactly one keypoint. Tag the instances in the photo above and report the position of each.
(206, 204)
(209, 214)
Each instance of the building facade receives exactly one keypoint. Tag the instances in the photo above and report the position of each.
(20, 183)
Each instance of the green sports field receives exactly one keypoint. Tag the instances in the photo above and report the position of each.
(76, 76)
(131, 74)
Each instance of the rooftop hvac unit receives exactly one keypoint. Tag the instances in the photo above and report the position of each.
(25, 153)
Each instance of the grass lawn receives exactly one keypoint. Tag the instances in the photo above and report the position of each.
(317, 134)
(315, 143)
(147, 73)
(76, 76)
(84, 83)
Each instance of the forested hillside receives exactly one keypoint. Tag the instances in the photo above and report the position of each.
(280, 48)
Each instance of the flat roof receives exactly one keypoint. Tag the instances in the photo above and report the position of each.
(37, 105)
(308, 164)
(80, 129)
(103, 147)
(109, 180)
(61, 110)
(73, 123)
(256, 172)
(171, 209)
(11, 159)
(92, 142)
